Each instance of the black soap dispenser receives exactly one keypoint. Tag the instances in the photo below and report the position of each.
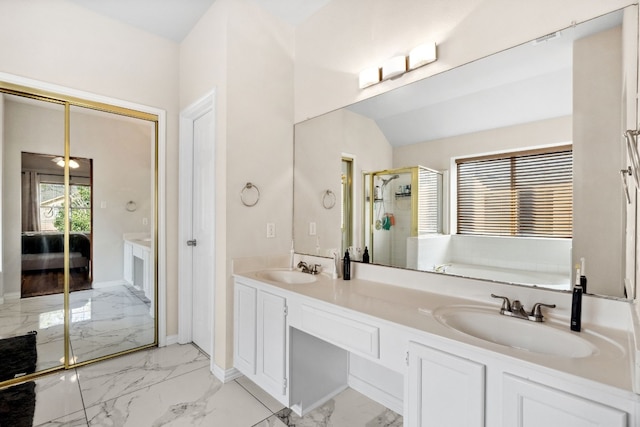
(576, 303)
(346, 266)
(365, 256)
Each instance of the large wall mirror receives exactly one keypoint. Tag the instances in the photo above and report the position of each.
(78, 277)
(537, 128)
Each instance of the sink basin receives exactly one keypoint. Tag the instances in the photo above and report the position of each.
(290, 277)
(490, 325)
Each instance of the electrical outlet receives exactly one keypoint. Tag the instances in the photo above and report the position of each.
(145, 221)
(271, 230)
(312, 229)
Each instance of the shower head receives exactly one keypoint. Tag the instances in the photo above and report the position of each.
(386, 181)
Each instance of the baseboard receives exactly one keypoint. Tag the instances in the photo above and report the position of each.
(11, 296)
(308, 408)
(169, 340)
(376, 394)
(109, 284)
(225, 375)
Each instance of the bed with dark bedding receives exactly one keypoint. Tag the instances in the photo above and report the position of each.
(45, 251)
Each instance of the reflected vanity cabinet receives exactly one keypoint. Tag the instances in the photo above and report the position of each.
(138, 268)
(260, 338)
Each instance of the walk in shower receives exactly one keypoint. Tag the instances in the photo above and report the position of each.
(399, 205)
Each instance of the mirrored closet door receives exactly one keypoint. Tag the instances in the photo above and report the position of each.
(78, 276)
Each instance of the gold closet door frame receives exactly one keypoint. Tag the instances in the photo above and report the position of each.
(68, 102)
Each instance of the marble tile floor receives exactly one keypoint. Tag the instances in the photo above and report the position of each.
(172, 386)
(103, 321)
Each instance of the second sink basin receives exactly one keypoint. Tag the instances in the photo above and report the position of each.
(490, 325)
(290, 277)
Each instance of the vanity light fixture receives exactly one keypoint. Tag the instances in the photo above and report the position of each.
(60, 162)
(398, 65)
(394, 67)
(369, 77)
(422, 55)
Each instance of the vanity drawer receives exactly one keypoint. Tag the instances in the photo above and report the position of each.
(343, 331)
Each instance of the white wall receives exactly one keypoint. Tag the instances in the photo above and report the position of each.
(58, 42)
(332, 47)
(438, 154)
(598, 201)
(318, 143)
(246, 55)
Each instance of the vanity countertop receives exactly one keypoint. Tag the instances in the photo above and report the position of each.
(414, 309)
(140, 239)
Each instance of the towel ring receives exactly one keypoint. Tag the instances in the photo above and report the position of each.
(131, 206)
(328, 199)
(248, 194)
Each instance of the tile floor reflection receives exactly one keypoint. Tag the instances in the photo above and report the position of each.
(172, 386)
(103, 321)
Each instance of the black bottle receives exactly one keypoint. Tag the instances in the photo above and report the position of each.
(346, 267)
(576, 309)
(365, 256)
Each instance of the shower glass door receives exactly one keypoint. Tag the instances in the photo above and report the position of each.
(402, 206)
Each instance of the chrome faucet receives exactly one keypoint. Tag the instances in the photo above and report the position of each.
(516, 309)
(313, 269)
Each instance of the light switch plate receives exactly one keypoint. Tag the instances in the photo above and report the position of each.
(271, 230)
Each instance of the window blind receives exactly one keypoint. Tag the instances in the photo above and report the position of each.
(429, 201)
(521, 194)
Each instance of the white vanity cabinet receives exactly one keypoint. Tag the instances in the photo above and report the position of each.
(443, 389)
(245, 305)
(464, 388)
(260, 338)
(527, 403)
(305, 343)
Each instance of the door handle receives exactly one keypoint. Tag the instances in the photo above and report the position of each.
(192, 242)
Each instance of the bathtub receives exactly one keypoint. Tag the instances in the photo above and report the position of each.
(522, 277)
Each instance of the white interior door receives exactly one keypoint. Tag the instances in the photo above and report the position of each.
(203, 231)
(196, 251)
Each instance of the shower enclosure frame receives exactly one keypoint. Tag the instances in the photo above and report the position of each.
(369, 206)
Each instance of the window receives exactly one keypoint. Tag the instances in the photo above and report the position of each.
(52, 207)
(527, 194)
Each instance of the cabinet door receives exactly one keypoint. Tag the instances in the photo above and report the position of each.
(272, 343)
(444, 389)
(128, 263)
(526, 403)
(244, 321)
